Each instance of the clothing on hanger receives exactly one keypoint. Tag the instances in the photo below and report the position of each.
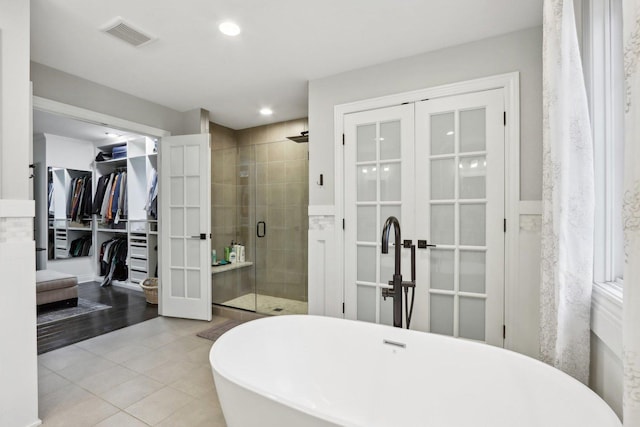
(113, 260)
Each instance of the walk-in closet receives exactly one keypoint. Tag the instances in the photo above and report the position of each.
(96, 190)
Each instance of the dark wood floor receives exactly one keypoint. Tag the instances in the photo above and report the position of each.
(127, 308)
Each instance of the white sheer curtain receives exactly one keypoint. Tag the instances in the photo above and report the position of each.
(567, 197)
(631, 215)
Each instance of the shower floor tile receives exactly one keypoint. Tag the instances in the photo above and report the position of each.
(268, 304)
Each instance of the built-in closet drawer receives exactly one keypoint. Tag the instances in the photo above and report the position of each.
(139, 252)
(137, 276)
(62, 253)
(138, 264)
(138, 226)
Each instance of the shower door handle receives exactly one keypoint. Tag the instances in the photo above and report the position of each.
(264, 229)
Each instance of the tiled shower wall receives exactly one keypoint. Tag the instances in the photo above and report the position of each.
(262, 176)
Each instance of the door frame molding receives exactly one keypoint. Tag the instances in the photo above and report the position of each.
(90, 116)
(510, 83)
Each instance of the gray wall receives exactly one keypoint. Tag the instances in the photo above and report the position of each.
(519, 51)
(69, 89)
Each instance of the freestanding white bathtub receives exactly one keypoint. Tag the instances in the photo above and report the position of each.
(318, 371)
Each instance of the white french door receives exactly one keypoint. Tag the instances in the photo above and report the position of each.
(185, 182)
(451, 194)
(379, 183)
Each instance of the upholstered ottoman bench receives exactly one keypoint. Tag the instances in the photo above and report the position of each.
(53, 287)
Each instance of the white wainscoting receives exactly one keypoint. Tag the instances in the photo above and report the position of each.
(524, 322)
(325, 296)
(18, 313)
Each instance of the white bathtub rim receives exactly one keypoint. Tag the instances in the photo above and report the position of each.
(253, 388)
(235, 380)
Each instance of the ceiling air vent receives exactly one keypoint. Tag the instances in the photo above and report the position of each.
(127, 33)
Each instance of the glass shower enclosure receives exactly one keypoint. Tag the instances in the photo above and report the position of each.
(260, 197)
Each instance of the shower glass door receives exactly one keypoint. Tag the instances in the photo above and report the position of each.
(262, 203)
(280, 228)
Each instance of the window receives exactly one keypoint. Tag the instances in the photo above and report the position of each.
(602, 54)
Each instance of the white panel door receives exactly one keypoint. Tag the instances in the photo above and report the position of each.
(460, 209)
(379, 181)
(185, 185)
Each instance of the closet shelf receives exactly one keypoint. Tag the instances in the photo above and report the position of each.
(112, 230)
(112, 162)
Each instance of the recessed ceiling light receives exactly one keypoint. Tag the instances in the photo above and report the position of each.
(266, 111)
(229, 28)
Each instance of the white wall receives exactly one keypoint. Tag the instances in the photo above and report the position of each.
(520, 51)
(69, 89)
(18, 363)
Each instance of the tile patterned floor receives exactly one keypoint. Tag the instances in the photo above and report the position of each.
(155, 373)
(268, 304)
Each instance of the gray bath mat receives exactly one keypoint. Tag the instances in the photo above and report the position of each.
(84, 307)
(219, 329)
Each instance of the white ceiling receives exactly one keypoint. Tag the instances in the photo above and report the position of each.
(283, 45)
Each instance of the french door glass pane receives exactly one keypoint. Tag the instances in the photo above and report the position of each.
(472, 318)
(441, 309)
(473, 130)
(442, 269)
(366, 264)
(193, 284)
(442, 133)
(473, 173)
(177, 191)
(177, 252)
(442, 224)
(192, 158)
(177, 283)
(443, 179)
(177, 161)
(366, 191)
(472, 271)
(193, 190)
(177, 222)
(193, 253)
(472, 224)
(193, 221)
(390, 182)
(390, 140)
(366, 143)
(366, 303)
(366, 224)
